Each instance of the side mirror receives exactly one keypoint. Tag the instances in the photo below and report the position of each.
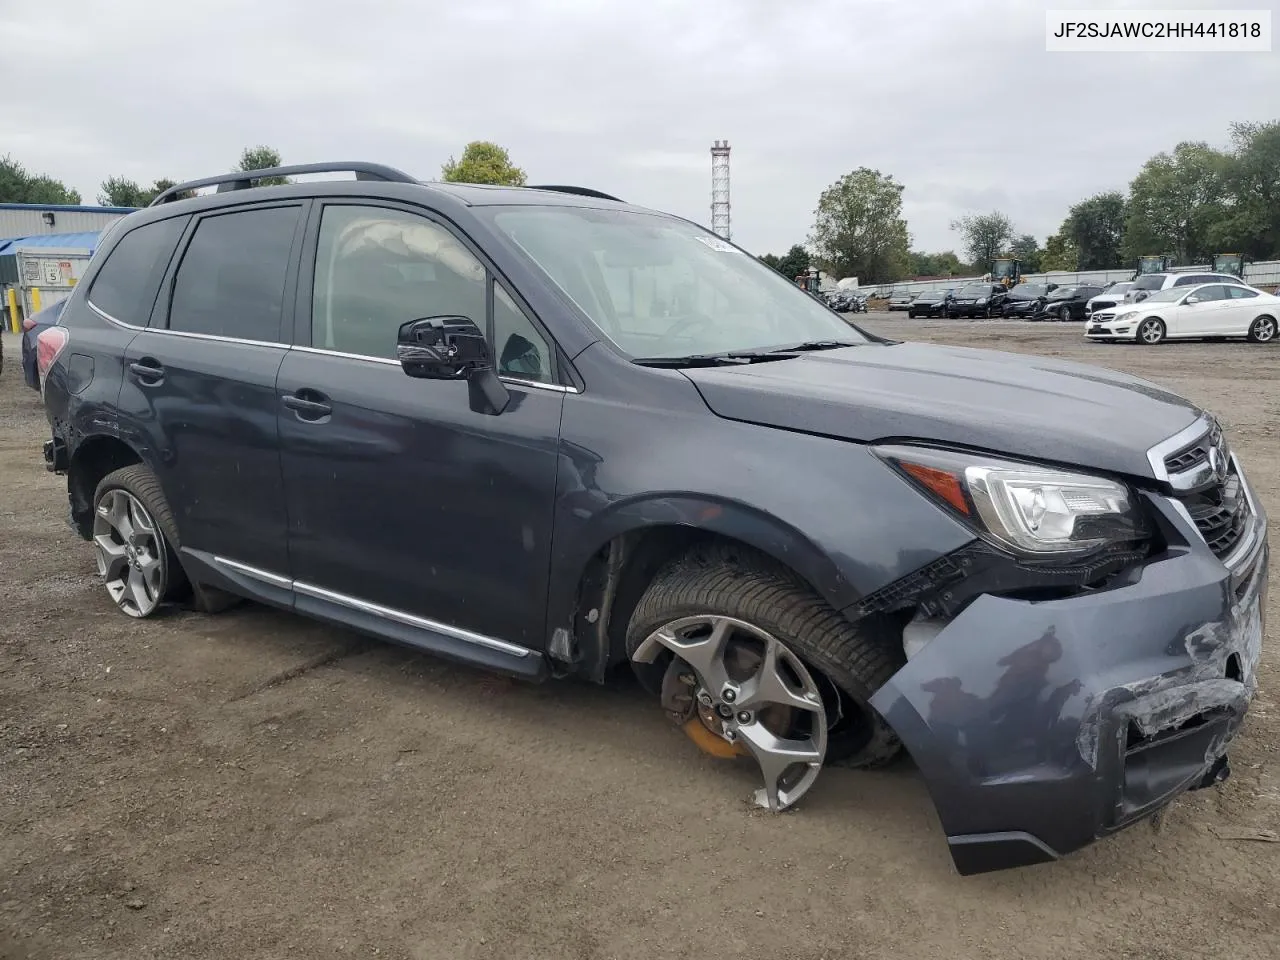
(1192, 299)
(452, 348)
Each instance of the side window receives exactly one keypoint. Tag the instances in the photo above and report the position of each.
(125, 286)
(1212, 293)
(377, 269)
(1241, 293)
(231, 280)
(1186, 281)
(522, 352)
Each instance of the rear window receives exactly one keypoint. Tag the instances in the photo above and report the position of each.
(231, 281)
(125, 286)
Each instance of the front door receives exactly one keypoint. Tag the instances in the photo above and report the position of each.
(1208, 316)
(400, 495)
(199, 394)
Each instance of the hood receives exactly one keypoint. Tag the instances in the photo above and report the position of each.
(1015, 404)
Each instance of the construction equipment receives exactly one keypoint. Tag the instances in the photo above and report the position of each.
(1007, 271)
(1148, 265)
(809, 281)
(1232, 263)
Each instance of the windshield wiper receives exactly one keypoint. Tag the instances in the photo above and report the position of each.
(728, 358)
(817, 345)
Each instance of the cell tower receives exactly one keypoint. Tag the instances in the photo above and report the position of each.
(720, 187)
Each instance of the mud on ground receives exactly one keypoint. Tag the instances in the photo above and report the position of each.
(254, 785)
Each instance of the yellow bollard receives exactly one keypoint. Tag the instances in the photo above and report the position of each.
(13, 311)
(35, 299)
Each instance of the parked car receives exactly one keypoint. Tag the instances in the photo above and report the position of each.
(422, 412)
(931, 303)
(901, 301)
(1111, 294)
(977, 300)
(1026, 299)
(1146, 285)
(32, 327)
(1207, 310)
(1068, 302)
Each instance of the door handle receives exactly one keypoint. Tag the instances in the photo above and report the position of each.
(305, 408)
(147, 370)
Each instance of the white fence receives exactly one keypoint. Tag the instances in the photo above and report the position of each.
(1265, 274)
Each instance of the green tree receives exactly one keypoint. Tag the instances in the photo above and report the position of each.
(1060, 253)
(1026, 249)
(18, 185)
(984, 236)
(770, 260)
(945, 264)
(163, 184)
(483, 162)
(123, 192)
(262, 158)
(858, 228)
(1251, 222)
(1096, 228)
(1175, 202)
(794, 262)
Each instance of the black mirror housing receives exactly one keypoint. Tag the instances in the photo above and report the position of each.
(452, 348)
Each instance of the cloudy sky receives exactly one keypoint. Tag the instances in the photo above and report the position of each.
(956, 98)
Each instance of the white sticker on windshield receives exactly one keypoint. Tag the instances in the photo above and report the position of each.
(715, 243)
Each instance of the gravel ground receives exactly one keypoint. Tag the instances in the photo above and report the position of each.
(254, 785)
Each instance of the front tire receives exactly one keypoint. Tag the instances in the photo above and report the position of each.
(1064, 314)
(1263, 330)
(1151, 331)
(764, 602)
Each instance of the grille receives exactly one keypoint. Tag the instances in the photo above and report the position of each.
(1195, 454)
(1103, 305)
(1221, 513)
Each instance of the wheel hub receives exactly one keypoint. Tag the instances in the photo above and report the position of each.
(737, 690)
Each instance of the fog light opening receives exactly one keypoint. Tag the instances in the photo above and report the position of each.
(1235, 670)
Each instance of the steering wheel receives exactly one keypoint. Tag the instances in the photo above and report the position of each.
(693, 321)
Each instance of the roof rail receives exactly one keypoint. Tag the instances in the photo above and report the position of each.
(579, 191)
(243, 179)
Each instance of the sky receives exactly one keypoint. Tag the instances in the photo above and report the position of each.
(957, 99)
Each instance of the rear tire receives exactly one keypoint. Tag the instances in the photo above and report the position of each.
(1263, 329)
(854, 659)
(1064, 314)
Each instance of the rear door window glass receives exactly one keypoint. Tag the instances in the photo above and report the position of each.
(231, 281)
(125, 286)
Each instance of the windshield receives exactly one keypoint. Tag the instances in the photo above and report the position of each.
(1063, 293)
(661, 287)
(1152, 281)
(1119, 287)
(974, 290)
(1027, 290)
(1166, 296)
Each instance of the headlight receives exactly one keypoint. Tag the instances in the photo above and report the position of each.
(982, 301)
(1125, 316)
(1027, 509)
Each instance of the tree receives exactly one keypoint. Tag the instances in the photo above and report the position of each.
(984, 237)
(1174, 203)
(1251, 223)
(945, 264)
(1026, 249)
(1060, 253)
(858, 229)
(163, 184)
(123, 192)
(262, 158)
(794, 262)
(1096, 228)
(483, 162)
(18, 185)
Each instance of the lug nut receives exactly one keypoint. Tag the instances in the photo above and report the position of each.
(744, 717)
(725, 711)
(729, 695)
(704, 698)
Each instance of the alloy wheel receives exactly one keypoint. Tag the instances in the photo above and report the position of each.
(130, 551)
(1064, 314)
(1151, 331)
(1264, 330)
(751, 690)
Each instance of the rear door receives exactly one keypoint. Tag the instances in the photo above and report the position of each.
(1241, 311)
(200, 382)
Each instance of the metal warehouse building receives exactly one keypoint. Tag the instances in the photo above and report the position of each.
(44, 249)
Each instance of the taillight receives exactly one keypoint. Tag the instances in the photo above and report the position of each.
(51, 342)
(28, 323)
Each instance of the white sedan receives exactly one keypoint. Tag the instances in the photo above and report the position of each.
(1207, 310)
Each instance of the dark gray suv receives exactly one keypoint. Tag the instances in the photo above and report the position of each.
(549, 433)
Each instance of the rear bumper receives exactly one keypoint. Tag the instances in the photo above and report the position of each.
(1040, 727)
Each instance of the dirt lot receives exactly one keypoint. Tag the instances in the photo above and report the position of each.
(254, 785)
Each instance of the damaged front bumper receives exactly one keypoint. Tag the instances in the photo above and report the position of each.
(1042, 726)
